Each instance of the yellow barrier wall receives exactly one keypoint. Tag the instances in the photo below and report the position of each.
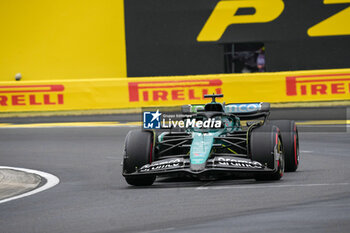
(62, 39)
(114, 93)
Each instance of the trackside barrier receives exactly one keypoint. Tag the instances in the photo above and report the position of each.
(120, 93)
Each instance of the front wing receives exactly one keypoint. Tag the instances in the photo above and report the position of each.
(219, 164)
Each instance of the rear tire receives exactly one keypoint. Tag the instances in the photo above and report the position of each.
(266, 147)
(290, 139)
(138, 152)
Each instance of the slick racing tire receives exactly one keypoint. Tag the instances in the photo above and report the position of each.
(138, 152)
(266, 147)
(290, 139)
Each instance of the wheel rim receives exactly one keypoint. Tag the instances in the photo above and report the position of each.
(279, 156)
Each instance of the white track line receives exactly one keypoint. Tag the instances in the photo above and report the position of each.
(269, 186)
(51, 181)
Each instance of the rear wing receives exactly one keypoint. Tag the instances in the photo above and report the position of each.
(247, 108)
(245, 111)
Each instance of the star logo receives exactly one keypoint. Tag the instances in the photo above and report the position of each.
(151, 120)
(156, 115)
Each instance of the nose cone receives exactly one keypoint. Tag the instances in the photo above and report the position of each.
(198, 158)
(200, 150)
(197, 167)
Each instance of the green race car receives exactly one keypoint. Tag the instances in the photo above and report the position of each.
(214, 143)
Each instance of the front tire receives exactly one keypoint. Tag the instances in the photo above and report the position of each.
(138, 152)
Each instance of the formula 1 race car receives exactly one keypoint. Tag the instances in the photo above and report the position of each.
(261, 147)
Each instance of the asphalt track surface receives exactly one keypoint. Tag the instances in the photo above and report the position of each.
(93, 197)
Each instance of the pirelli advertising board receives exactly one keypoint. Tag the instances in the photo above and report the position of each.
(178, 90)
